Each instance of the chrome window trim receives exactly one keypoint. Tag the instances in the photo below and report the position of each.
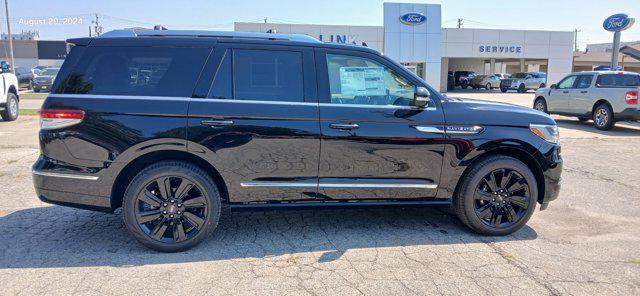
(161, 98)
(339, 185)
(61, 175)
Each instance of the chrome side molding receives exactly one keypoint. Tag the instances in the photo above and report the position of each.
(339, 185)
(451, 129)
(68, 176)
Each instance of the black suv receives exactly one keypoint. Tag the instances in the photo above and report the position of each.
(175, 126)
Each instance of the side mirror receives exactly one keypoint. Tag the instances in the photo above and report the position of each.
(553, 86)
(422, 96)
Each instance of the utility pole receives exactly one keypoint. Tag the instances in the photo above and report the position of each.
(575, 39)
(97, 28)
(6, 6)
(459, 23)
(265, 20)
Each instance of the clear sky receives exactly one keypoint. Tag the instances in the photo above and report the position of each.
(559, 15)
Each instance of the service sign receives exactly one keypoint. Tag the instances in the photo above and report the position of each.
(618, 22)
(413, 19)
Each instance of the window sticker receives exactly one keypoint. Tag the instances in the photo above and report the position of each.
(362, 81)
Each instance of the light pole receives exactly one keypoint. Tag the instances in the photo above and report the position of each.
(6, 6)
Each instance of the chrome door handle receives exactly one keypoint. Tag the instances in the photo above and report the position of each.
(210, 122)
(584, 92)
(565, 92)
(344, 126)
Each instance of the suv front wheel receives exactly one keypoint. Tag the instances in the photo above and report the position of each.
(497, 196)
(171, 206)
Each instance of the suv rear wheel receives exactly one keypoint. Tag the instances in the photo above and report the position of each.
(603, 117)
(522, 88)
(171, 206)
(497, 196)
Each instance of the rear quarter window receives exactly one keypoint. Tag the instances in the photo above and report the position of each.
(141, 71)
(618, 80)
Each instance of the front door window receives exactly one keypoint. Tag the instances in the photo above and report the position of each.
(358, 80)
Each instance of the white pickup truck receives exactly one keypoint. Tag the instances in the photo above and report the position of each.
(603, 96)
(8, 93)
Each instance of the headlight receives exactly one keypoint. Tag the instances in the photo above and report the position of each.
(548, 133)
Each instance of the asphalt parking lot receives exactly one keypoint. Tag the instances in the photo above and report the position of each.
(585, 243)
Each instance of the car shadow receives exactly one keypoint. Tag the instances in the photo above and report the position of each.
(52, 237)
(621, 129)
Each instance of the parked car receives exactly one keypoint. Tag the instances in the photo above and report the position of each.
(487, 82)
(45, 79)
(524, 81)
(503, 75)
(25, 77)
(230, 121)
(9, 98)
(462, 78)
(604, 96)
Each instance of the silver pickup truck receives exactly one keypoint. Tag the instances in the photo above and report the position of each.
(604, 96)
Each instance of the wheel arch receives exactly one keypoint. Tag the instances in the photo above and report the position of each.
(516, 153)
(598, 103)
(13, 89)
(136, 165)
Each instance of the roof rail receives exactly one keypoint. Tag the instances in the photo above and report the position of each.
(215, 34)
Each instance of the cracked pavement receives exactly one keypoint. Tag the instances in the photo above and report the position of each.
(585, 243)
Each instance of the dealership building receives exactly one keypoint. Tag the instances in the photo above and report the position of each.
(412, 34)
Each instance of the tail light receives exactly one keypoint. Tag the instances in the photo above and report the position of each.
(632, 97)
(56, 118)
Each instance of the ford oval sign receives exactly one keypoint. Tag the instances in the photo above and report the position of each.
(413, 19)
(618, 22)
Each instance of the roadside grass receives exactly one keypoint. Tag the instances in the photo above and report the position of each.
(28, 112)
(32, 96)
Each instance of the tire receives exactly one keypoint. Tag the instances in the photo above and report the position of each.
(504, 90)
(603, 117)
(202, 203)
(508, 211)
(540, 104)
(36, 90)
(12, 108)
(488, 86)
(30, 86)
(522, 88)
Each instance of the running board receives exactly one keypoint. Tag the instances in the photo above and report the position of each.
(333, 205)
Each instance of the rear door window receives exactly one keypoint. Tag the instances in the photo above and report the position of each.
(142, 71)
(268, 75)
(618, 80)
(584, 81)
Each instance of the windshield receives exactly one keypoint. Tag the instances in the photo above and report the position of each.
(519, 75)
(50, 71)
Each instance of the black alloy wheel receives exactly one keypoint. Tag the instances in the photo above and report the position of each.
(171, 209)
(497, 196)
(502, 198)
(171, 206)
